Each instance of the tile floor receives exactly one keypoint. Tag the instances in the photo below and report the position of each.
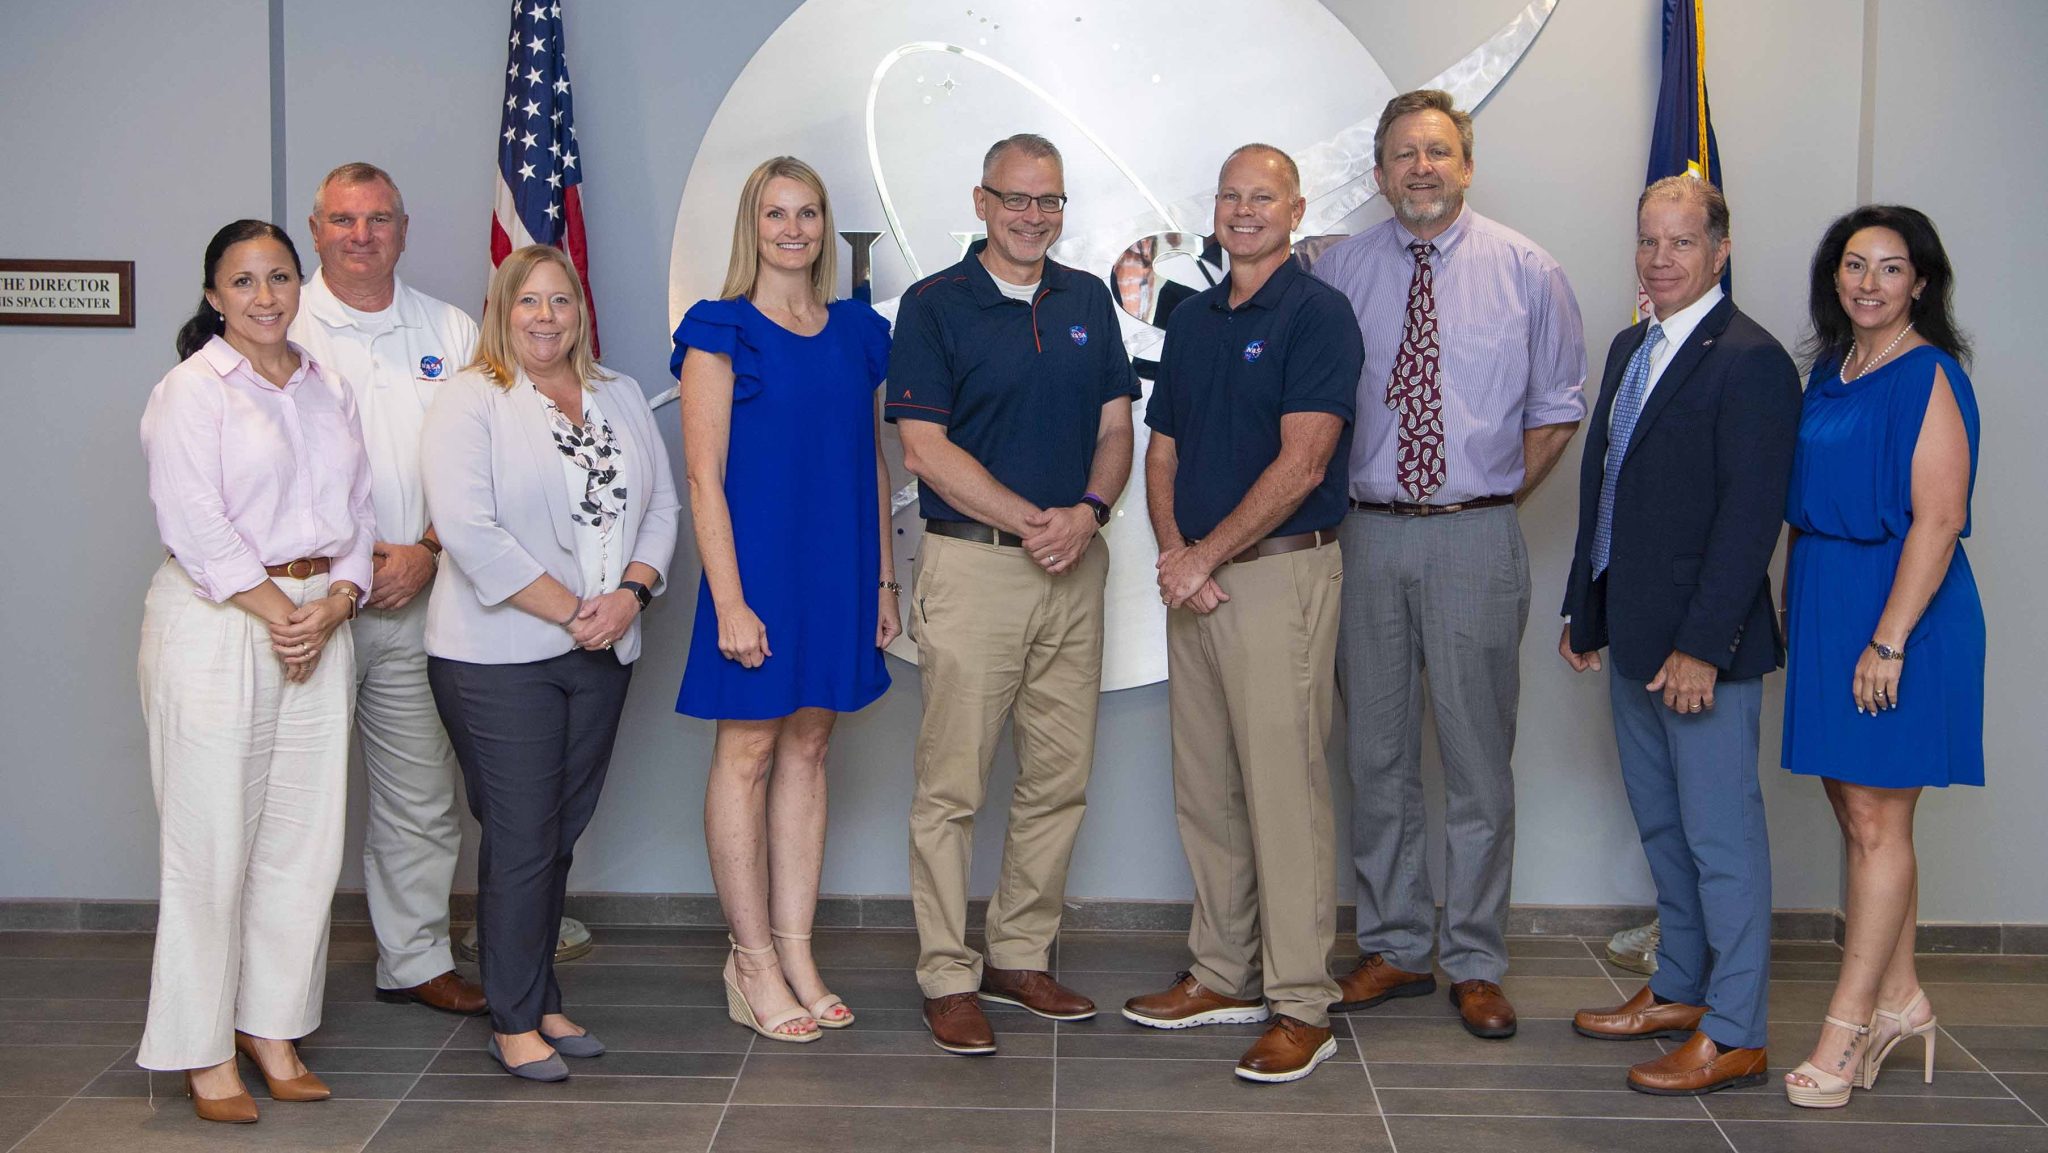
(681, 1077)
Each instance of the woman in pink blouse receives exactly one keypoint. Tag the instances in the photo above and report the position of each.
(262, 495)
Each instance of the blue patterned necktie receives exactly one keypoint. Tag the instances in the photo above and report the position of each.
(1628, 406)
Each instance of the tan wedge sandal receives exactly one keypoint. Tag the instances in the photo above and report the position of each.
(738, 1008)
(1827, 1091)
(829, 1012)
(1873, 1057)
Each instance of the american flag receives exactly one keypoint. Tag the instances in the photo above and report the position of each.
(539, 200)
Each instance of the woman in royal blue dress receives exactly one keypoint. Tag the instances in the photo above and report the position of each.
(1884, 692)
(789, 492)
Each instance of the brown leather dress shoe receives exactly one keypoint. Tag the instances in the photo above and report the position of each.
(239, 1109)
(1638, 1018)
(1186, 1004)
(958, 1025)
(1373, 980)
(1699, 1066)
(1034, 989)
(304, 1087)
(1484, 1009)
(450, 992)
(1288, 1051)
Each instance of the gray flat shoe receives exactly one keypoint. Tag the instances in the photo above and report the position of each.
(576, 1045)
(548, 1068)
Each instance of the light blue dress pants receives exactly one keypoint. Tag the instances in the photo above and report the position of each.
(1692, 782)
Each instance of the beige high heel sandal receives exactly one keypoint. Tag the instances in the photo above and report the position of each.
(738, 1008)
(821, 1012)
(1873, 1057)
(1827, 1091)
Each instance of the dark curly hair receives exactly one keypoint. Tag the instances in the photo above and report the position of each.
(1931, 311)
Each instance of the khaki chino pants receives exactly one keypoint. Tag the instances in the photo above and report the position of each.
(997, 636)
(1251, 689)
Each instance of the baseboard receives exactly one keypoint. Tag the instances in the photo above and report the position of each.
(894, 912)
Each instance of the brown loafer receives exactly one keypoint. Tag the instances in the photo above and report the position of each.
(450, 992)
(1484, 1009)
(1638, 1018)
(1699, 1066)
(1186, 1004)
(1034, 989)
(1373, 980)
(958, 1025)
(1288, 1051)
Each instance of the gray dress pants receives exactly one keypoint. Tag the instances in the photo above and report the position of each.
(1438, 601)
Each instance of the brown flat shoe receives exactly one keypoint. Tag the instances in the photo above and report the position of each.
(1034, 989)
(1638, 1018)
(450, 992)
(1373, 980)
(1698, 1067)
(958, 1025)
(1186, 1004)
(239, 1109)
(1288, 1051)
(304, 1087)
(1484, 1009)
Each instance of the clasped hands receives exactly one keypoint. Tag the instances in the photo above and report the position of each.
(1059, 536)
(600, 621)
(1185, 580)
(300, 638)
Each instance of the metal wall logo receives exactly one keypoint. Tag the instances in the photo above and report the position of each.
(894, 104)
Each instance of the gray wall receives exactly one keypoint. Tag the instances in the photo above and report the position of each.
(1560, 157)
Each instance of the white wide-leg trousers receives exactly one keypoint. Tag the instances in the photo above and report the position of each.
(251, 775)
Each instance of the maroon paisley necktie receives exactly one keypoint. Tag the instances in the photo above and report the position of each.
(1412, 393)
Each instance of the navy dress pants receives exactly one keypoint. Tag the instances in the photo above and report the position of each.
(534, 741)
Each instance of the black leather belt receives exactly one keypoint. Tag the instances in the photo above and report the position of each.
(975, 531)
(1397, 508)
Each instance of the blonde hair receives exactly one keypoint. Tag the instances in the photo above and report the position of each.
(494, 356)
(743, 270)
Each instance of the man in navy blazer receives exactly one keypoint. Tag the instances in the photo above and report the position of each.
(1681, 497)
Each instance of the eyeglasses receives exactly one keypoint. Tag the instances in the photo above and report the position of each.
(1018, 201)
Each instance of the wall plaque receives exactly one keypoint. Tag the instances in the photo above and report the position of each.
(76, 293)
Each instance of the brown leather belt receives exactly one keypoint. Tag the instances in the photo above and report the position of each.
(1397, 508)
(975, 531)
(299, 569)
(1276, 545)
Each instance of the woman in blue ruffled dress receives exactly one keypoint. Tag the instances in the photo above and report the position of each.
(788, 491)
(1884, 691)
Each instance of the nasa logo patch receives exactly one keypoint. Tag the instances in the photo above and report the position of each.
(430, 367)
(1254, 351)
(1080, 334)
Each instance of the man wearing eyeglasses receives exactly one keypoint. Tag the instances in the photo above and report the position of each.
(1010, 388)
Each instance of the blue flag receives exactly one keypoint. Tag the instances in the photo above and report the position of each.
(1682, 139)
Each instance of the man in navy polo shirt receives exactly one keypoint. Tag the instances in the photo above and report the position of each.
(1010, 387)
(1254, 398)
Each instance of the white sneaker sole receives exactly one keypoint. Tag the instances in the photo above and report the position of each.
(1327, 1050)
(1252, 1016)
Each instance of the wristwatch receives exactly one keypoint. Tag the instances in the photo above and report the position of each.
(1100, 506)
(640, 592)
(1886, 652)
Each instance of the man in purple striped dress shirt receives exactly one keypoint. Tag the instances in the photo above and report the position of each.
(1474, 361)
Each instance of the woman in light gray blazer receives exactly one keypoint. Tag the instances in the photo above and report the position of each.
(550, 490)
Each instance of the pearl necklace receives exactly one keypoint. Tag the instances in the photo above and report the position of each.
(1873, 361)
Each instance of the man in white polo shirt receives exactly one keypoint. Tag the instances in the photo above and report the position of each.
(392, 346)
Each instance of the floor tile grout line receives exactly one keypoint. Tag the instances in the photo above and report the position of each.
(416, 1079)
(1386, 1126)
(2000, 1081)
(731, 1093)
(76, 1096)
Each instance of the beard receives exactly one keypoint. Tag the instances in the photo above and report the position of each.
(1415, 208)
